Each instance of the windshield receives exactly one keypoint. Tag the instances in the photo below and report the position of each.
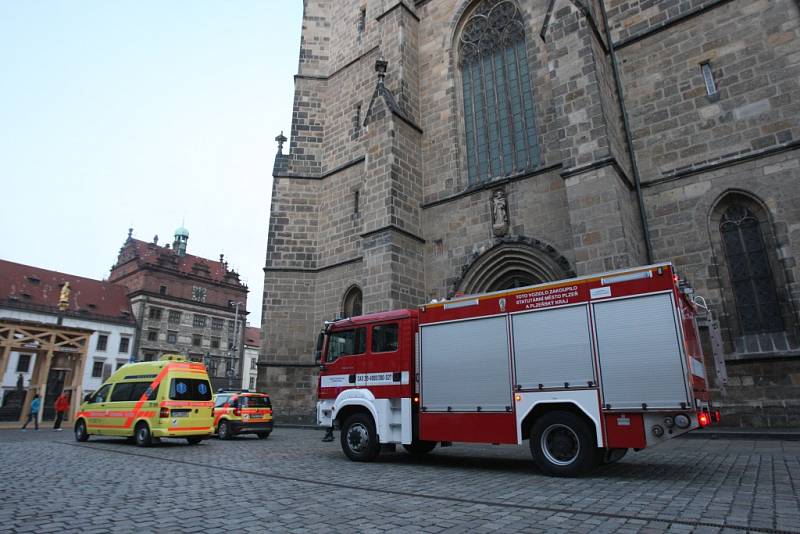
(190, 389)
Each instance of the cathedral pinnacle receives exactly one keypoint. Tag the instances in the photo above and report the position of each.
(281, 139)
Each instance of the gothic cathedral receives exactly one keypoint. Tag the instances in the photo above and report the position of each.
(461, 146)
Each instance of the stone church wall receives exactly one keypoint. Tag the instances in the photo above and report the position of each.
(374, 192)
(753, 52)
(764, 381)
(460, 229)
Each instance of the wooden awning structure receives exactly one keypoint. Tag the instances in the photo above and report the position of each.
(49, 341)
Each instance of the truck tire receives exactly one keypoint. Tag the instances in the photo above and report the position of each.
(359, 439)
(563, 444)
(419, 447)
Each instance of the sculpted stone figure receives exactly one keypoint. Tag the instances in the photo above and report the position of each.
(499, 213)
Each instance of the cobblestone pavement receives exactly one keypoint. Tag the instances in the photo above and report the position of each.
(292, 482)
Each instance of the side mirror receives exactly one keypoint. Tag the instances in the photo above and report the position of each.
(87, 397)
(319, 346)
(323, 368)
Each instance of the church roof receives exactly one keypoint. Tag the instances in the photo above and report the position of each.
(35, 289)
(152, 254)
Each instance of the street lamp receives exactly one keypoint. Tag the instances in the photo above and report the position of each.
(234, 347)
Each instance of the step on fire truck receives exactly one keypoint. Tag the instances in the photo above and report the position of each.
(584, 368)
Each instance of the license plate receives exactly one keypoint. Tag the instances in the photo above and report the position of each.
(180, 414)
(256, 416)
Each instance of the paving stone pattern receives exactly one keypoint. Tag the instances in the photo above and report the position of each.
(294, 483)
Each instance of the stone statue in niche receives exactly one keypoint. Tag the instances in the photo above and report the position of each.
(499, 213)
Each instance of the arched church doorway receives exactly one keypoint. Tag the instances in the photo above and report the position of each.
(511, 265)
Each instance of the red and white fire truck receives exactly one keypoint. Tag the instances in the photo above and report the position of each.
(584, 368)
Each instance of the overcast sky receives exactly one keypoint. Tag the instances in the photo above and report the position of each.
(142, 114)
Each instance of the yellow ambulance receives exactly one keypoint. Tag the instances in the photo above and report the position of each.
(169, 398)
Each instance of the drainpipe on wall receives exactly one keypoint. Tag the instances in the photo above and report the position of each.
(628, 136)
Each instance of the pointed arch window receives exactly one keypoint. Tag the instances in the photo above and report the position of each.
(352, 302)
(751, 277)
(499, 126)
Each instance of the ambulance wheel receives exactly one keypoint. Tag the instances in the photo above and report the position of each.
(419, 447)
(562, 444)
(263, 435)
(81, 434)
(142, 435)
(194, 440)
(224, 430)
(359, 439)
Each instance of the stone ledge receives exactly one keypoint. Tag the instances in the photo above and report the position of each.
(788, 434)
(754, 356)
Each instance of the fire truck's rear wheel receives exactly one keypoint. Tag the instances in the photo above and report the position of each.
(562, 444)
(359, 439)
(419, 447)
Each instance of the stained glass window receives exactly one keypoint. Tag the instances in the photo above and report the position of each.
(751, 277)
(501, 136)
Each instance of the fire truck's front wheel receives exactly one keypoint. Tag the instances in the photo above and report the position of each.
(562, 444)
(359, 439)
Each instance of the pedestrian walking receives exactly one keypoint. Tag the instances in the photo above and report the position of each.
(61, 406)
(36, 403)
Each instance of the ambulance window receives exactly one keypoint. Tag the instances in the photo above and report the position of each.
(191, 389)
(384, 338)
(256, 401)
(122, 392)
(101, 394)
(152, 393)
(139, 389)
(346, 343)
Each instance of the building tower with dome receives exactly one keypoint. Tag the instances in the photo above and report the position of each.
(184, 304)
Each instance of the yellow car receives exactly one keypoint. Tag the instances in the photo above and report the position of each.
(242, 412)
(169, 398)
